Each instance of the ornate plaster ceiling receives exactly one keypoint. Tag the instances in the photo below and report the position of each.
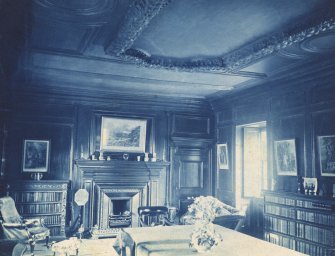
(188, 48)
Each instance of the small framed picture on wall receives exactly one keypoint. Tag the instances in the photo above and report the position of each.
(222, 156)
(285, 157)
(35, 155)
(326, 150)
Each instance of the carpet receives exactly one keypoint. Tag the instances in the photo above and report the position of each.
(88, 247)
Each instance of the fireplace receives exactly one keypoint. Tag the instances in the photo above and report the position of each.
(120, 215)
(117, 188)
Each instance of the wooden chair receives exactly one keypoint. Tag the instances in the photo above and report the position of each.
(16, 228)
(153, 216)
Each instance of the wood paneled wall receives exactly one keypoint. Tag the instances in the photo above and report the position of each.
(293, 109)
(71, 121)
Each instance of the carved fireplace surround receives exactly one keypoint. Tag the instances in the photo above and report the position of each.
(142, 183)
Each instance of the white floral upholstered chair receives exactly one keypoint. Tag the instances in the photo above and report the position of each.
(211, 208)
(14, 227)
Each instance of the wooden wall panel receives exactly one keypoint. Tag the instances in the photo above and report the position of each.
(290, 127)
(225, 179)
(60, 136)
(300, 112)
(191, 126)
(323, 124)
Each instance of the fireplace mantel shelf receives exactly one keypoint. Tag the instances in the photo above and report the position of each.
(83, 163)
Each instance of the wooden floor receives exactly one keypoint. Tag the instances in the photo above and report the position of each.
(99, 247)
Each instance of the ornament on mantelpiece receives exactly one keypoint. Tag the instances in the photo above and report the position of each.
(101, 156)
(154, 158)
(300, 185)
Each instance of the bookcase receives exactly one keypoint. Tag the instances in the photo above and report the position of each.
(45, 199)
(300, 222)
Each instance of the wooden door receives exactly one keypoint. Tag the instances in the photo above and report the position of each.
(190, 175)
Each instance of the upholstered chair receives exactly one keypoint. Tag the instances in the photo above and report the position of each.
(153, 216)
(14, 227)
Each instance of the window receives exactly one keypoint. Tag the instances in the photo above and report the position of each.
(251, 160)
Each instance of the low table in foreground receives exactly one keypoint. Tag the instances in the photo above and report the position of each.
(174, 240)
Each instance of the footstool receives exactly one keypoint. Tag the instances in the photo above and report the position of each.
(66, 247)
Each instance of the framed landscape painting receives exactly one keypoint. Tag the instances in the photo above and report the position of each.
(285, 157)
(326, 149)
(35, 155)
(123, 134)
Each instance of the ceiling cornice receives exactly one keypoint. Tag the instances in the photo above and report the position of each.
(71, 96)
(138, 17)
(300, 79)
(143, 11)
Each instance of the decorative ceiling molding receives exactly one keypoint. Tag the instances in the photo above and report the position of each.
(142, 11)
(235, 60)
(311, 44)
(97, 7)
(139, 15)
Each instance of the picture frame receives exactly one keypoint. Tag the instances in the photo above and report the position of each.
(285, 157)
(35, 155)
(326, 150)
(310, 185)
(222, 156)
(120, 134)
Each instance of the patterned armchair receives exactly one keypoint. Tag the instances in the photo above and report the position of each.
(14, 227)
(225, 215)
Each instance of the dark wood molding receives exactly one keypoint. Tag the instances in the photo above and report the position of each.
(108, 100)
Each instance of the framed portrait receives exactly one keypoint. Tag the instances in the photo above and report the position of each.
(326, 150)
(123, 134)
(222, 156)
(285, 157)
(35, 155)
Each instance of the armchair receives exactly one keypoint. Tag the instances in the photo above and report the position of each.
(153, 216)
(14, 227)
(224, 215)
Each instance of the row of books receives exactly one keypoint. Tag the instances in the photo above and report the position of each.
(312, 249)
(55, 231)
(307, 248)
(280, 240)
(316, 234)
(280, 225)
(281, 211)
(279, 200)
(52, 220)
(315, 205)
(29, 197)
(315, 217)
(40, 208)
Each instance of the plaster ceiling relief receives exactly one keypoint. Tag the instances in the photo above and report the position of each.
(79, 7)
(193, 48)
(178, 35)
(85, 12)
(293, 52)
(322, 43)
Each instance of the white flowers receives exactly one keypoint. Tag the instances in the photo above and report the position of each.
(204, 209)
(204, 237)
(208, 207)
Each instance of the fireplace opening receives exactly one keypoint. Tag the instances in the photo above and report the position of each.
(120, 206)
(120, 215)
